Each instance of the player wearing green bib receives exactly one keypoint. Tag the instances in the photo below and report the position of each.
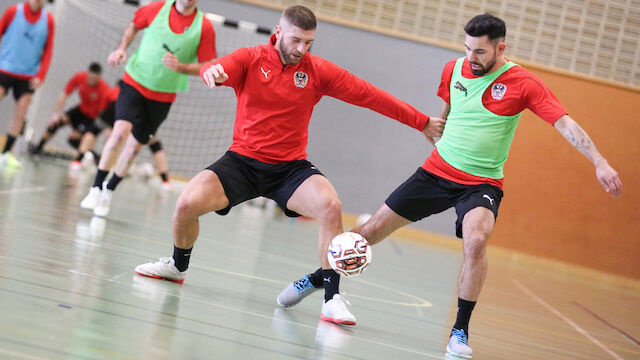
(176, 42)
(484, 95)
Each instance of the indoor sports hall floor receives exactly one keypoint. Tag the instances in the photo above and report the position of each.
(68, 290)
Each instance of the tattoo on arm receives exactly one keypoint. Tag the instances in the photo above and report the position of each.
(581, 141)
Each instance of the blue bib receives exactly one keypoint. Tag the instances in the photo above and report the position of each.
(23, 44)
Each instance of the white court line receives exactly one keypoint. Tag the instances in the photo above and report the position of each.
(31, 189)
(566, 319)
(229, 308)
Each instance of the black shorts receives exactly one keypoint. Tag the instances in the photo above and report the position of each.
(146, 115)
(80, 121)
(244, 178)
(107, 117)
(19, 86)
(425, 194)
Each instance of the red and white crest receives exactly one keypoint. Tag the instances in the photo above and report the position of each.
(498, 90)
(300, 79)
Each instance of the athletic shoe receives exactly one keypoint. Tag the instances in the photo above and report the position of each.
(335, 311)
(7, 159)
(166, 186)
(88, 160)
(104, 203)
(33, 149)
(458, 345)
(296, 291)
(91, 200)
(164, 268)
(75, 165)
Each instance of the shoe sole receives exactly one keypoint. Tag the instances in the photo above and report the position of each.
(456, 355)
(337, 321)
(161, 278)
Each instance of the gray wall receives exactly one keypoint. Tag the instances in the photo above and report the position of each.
(365, 155)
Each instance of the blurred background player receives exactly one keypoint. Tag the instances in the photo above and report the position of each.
(92, 90)
(25, 53)
(104, 124)
(176, 42)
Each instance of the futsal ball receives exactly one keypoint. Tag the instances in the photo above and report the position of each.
(349, 254)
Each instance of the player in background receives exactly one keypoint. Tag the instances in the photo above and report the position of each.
(277, 86)
(92, 90)
(484, 95)
(104, 124)
(25, 54)
(176, 42)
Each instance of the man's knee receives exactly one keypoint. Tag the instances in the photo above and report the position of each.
(331, 209)
(475, 244)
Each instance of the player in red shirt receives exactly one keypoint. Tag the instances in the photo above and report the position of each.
(27, 32)
(439, 185)
(277, 86)
(92, 90)
(177, 40)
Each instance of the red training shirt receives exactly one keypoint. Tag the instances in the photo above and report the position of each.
(32, 17)
(524, 91)
(275, 102)
(91, 97)
(178, 23)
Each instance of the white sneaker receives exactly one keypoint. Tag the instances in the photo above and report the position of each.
(458, 345)
(91, 200)
(335, 311)
(164, 268)
(166, 186)
(88, 160)
(75, 165)
(104, 203)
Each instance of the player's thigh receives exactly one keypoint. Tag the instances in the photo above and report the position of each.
(204, 193)
(23, 105)
(381, 224)
(3, 92)
(314, 197)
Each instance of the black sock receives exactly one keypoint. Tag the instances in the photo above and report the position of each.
(9, 143)
(113, 182)
(316, 278)
(464, 314)
(100, 176)
(181, 257)
(164, 176)
(331, 280)
(40, 144)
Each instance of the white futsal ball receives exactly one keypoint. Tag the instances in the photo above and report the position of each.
(349, 254)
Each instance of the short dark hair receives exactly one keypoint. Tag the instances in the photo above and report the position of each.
(486, 24)
(95, 67)
(301, 17)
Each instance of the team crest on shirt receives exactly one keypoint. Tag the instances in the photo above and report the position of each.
(498, 90)
(300, 79)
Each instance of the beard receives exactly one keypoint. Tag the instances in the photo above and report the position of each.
(286, 56)
(483, 70)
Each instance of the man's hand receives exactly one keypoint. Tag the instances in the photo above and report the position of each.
(214, 74)
(171, 61)
(118, 57)
(34, 83)
(434, 128)
(608, 177)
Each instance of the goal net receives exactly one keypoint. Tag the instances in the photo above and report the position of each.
(199, 127)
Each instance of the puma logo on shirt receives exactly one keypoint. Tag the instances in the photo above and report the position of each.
(266, 76)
